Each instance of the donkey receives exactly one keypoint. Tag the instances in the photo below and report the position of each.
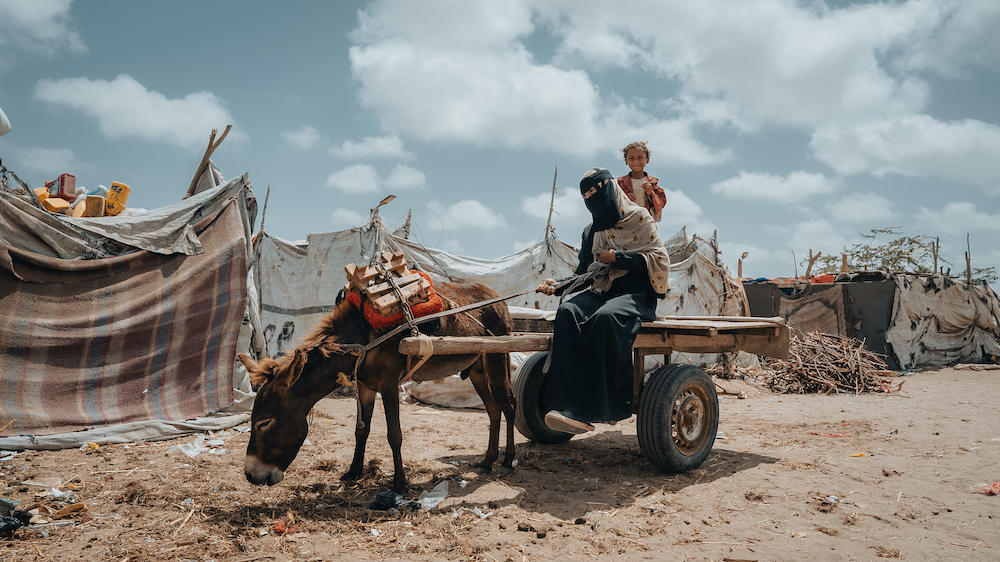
(292, 384)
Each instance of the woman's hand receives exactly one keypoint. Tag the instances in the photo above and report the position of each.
(547, 287)
(606, 256)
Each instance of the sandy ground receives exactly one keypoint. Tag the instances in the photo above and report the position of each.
(897, 486)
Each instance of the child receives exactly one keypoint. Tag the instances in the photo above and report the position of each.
(640, 186)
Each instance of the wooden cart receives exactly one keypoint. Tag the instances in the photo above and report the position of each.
(676, 405)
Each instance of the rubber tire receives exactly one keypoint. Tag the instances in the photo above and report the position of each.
(529, 414)
(670, 388)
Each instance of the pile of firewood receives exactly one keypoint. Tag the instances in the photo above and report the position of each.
(825, 363)
(376, 282)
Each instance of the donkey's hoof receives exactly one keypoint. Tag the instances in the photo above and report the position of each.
(506, 470)
(350, 477)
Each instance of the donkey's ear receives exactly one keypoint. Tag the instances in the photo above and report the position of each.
(287, 377)
(259, 374)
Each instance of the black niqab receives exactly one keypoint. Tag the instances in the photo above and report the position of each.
(603, 205)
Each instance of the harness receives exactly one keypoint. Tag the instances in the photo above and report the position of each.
(426, 348)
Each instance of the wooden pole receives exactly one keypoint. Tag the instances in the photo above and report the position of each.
(263, 212)
(937, 247)
(212, 145)
(968, 259)
(812, 260)
(843, 263)
(552, 202)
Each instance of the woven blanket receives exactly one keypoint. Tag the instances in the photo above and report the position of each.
(87, 343)
(377, 321)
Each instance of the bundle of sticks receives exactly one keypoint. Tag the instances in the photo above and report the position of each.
(827, 363)
(384, 285)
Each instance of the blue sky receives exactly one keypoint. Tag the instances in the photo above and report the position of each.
(784, 125)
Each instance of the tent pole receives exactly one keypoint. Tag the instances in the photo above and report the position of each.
(263, 212)
(552, 202)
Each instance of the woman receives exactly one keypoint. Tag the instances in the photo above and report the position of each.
(625, 269)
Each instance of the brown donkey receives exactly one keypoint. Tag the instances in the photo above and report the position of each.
(294, 383)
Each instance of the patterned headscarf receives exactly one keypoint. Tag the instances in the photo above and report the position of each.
(634, 232)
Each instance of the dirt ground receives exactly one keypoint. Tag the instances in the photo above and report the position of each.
(777, 486)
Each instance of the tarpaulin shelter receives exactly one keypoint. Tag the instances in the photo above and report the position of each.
(911, 319)
(124, 328)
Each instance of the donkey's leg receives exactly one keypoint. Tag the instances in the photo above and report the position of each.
(394, 434)
(497, 367)
(366, 405)
(482, 384)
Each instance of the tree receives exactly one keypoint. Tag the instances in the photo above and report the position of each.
(914, 254)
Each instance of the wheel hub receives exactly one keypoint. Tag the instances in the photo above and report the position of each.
(689, 420)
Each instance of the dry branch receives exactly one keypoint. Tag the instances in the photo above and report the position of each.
(827, 363)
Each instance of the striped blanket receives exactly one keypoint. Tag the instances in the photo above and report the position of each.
(87, 343)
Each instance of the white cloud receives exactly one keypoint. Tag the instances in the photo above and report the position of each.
(125, 108)
(49, 161)
(359, 178)
(771, 61)
(862, 207)
(797, 187)
(915, 145)
(818, 235)
(682, 212)
(405, 177)
(452, 245)
(957, 218)
(567, 206)
(967, 37)
(440, 74)
(304, 138)
(38, 26)
(345, 218)
(469, 214)
(760, 262)
(390, 146)
(364, 178)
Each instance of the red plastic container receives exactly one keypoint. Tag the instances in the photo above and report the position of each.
(63, 187)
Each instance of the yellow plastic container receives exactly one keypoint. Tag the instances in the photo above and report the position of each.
(42, 193)
(117, 197)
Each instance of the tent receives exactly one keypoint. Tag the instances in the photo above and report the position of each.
(124, 328)
(911, 319)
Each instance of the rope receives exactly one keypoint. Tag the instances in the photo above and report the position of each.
(407, 313)
(425, 351)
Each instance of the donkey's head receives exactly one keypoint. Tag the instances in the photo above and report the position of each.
(290, 386)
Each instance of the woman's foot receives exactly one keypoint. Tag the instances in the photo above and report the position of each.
(562, 421)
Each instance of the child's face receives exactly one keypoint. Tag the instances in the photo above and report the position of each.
(636, 159)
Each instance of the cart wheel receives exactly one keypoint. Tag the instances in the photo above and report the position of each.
(529, 416)
(678, 417)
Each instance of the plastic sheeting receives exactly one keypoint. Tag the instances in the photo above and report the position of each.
(937, 321)
(165, 231)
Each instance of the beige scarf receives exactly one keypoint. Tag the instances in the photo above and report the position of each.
(635, 233)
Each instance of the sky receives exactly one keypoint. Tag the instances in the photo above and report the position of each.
(781, 126)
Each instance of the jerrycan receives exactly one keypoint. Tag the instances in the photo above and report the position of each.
(117, 197)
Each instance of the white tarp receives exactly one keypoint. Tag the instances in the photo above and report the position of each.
(937, 321)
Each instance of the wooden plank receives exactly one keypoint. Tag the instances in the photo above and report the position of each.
(414, 293)
(771, 342)
(376, 290)
(458, 345)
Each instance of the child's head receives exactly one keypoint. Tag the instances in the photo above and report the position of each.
(636, 156)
